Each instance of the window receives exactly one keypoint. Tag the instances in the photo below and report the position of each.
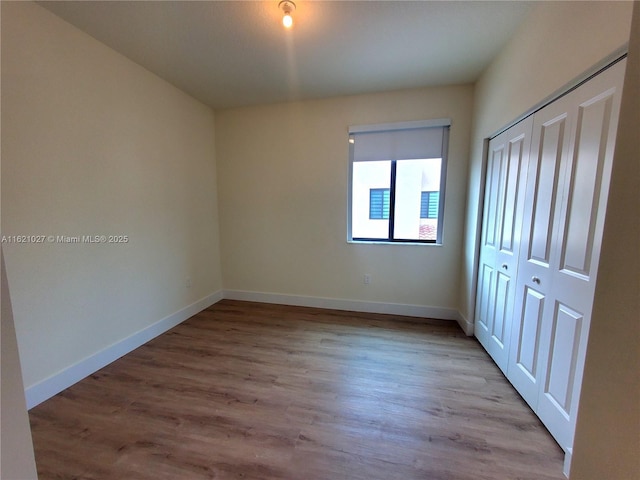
(429, 204)
(379, 204)
(397, 178)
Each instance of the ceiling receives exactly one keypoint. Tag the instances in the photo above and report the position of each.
(235, 53)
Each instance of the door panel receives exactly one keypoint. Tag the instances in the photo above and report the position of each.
(494, 181)
(496, 174)
(565, 340)
(585, 185)
(486, 287)
(484, 299)
(567, 314)
(552, 142)
(523, 368)
(504, 192)
(512, 193)
(485, 302)
(499, 333)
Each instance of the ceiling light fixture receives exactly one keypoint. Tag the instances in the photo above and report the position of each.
(287, 8)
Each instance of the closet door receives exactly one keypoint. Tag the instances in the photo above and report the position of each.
(567, 308)
(567, 188)
(502, 221)
(550, 143)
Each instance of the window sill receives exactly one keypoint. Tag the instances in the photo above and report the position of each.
(382, 242)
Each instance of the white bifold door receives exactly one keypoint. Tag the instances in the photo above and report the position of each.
(504, 202)
(565, 192)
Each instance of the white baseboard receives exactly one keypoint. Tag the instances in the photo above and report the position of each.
(421, 311)
(465, 325)
(567, 462)
(53, 385)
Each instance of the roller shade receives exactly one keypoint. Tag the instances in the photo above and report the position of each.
(410, 142)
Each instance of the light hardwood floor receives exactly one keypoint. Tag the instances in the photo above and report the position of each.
(254, 391)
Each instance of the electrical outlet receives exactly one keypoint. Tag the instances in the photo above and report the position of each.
(188, 282)
(367, 278)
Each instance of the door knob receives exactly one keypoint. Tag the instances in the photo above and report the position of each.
(535, 279)
(505, 266)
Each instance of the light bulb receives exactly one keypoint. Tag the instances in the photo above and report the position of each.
(287, 6)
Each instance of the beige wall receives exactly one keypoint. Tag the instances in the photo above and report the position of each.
(93, 144)
(607, 443)
(557, 43)
(283, 199)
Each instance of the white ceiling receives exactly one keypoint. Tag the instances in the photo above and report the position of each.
(233, 53)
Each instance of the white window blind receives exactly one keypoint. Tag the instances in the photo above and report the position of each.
(398, 144)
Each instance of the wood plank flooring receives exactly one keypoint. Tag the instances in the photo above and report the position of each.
(254, 391)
